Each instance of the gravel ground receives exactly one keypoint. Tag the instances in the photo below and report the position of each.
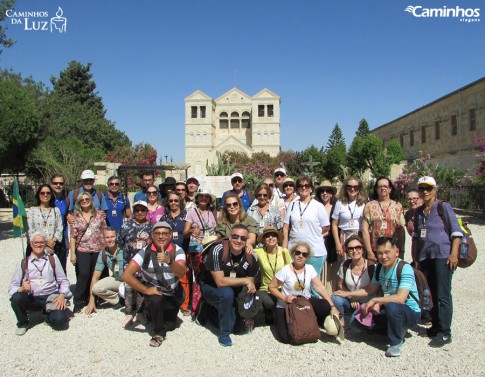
(97, 345)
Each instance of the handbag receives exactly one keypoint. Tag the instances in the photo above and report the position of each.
(301, 321)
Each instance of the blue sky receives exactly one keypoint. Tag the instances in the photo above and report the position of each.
(330, 61)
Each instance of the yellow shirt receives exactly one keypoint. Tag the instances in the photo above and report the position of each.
(270, 264)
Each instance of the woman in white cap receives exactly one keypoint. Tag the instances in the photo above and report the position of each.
(436, 243)
(271, 259)
(200, 223)
(296, 279)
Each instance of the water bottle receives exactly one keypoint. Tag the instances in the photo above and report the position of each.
(463, 248)
(426, 299)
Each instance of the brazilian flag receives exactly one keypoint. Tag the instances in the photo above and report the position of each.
(18, 212)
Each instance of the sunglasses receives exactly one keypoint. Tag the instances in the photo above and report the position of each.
(327, 191)
(140, 209)
(279, 175)
(173, 200)
(237, 236)
(45, 193)
(302, 253)
(426, 188)
(354, 248)
(114, 183)
(85, 200)
(262, 195)
(233, 204)
(236, 180)
(180, 189)
(270, 184)
(57, 183)
(88, 180)
(288, 185)
(305, 186)
(152, 193)
(351, 187)
(267, 235)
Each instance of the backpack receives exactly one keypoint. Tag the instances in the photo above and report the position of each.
(24, 265)
(301, 321)
(421, 283)
(472, 248)
(370, 267)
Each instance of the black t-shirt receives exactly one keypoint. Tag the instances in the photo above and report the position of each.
(243, 264)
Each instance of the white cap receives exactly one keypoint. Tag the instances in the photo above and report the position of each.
(140, 203)
(88, 174)
(236, 175)
(280, 170)
(426, 180)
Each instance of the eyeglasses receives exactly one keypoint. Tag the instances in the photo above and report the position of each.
(47, 193)
(351, 187)
(383, 187)
(38, 244)
(114, 183)
(57, 183)
(236, 180)
(180, 189)
(173, 200)
(85, 200)
(267, 235)
(237, 236)
(149, 193)
(262, 195)
(413, 199)
(161, 234)
(305, 186)
(140, 209)
(279, 174)
(354, 248)
(302, 253)
(233, 204)
(426, 188)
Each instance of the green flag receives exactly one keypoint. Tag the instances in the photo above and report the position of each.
(18, 212)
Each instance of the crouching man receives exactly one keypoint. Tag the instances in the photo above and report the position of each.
(108, 287)
(39, 283)
(225, 271)
(399, 306)
(161, 265)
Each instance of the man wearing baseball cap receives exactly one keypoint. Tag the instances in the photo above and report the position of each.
(237, 182)
(193, 184)
(161, 265)
(279, 176)
(87, 185)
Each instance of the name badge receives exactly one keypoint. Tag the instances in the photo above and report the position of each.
(352, 223)
(139, 245)
(116, 268)
(423, 233)
(261, 224)
(384, 226)
(113, 213)
(41, 281)
(232, 274)
(175, 236)
(301, 224)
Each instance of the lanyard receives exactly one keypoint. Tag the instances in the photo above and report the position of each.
(387, 210)
(299, 286)
(360, 277)
(41, 269)
(299, 206)
(275, 263)
(352, 212)
(205, 225)
(45, 218)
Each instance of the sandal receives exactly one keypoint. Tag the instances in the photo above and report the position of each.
(186, 312)
(156, 341)
(128, 321)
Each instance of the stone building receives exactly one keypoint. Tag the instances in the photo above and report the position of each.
(446, 128)
(233, 122)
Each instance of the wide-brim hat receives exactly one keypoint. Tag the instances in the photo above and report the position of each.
(325, 185)
(207, 243)
(365, 320)
(270, 229)
(248, 304)
(333, 326)
(169, 181)
(206, 192)
(288, 179)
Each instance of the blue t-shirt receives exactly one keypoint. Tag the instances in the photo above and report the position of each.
(101, 206)
(390, 285)
(115, 211)
(140, 195)
(246, 201)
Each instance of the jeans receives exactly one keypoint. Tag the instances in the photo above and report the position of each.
(161, 309)
(396, 317)
(439, 278)
(342, 304)
(22, 302)
(317, 263)
(223, 300)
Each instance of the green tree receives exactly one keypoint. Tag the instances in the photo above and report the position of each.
(363, 129)
(313, 155)
(74, 109)
(4, 6)
(19, 125)
(336, 138)
(63, 156)
(333, 168)
(369, 153)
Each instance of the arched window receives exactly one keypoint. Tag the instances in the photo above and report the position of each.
(234, 114)
(245, 123)
(223, 115)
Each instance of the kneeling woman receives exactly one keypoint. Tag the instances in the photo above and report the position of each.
(296, 279)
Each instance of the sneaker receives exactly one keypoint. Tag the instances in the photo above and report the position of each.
(440, 340)
(21, 331)
(431, 332)
(395, 351)
(225, 341)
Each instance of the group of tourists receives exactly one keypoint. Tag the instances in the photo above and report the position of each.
(243, 262)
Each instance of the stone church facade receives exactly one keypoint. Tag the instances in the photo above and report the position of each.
(233, 122)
